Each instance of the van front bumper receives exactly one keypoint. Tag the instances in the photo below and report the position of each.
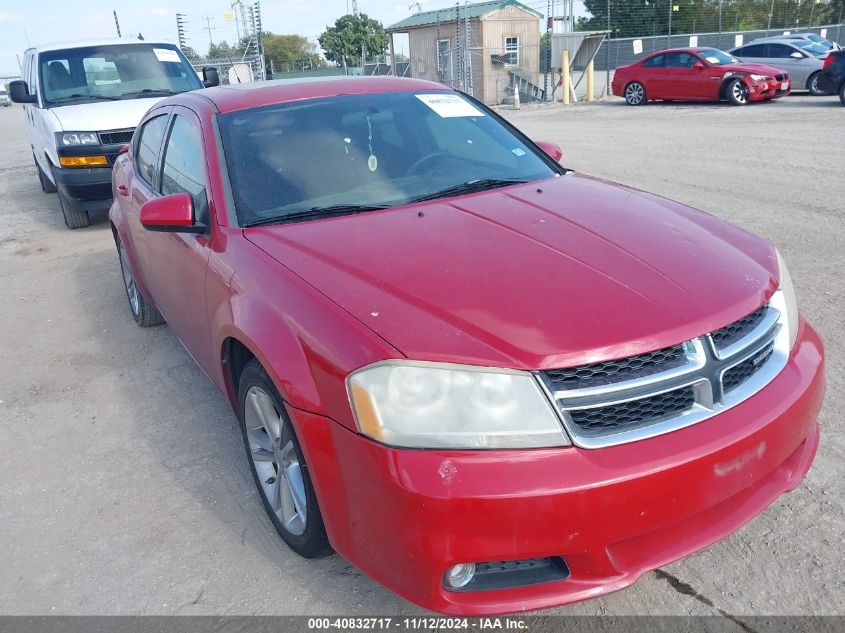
(406, 516)
(89, 188)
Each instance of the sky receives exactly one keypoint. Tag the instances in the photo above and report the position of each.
(32, 22)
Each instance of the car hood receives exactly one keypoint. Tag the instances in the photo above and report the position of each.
(553, 273)
(103, 115)
(756, 69)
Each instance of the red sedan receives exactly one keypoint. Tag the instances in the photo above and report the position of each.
(489, 382)
(698, 74)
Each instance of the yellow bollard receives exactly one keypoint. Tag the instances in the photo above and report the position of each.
(590, 81)
(564, 71)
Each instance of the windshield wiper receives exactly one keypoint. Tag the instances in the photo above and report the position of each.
(148, 91)
(318, 212)
(469, 186)
(81, 96)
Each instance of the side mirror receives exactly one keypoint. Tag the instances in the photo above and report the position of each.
(698, 66)
(210, 77)
(552, 149)
(19, 92)
(796, 55)
(123, 149)
(170, 214)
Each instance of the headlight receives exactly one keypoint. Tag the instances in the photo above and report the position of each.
(79, 138)
(786, 298)
(759, 77)
(434, 405)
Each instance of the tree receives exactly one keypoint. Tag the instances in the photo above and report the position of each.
(190, 53)
(350, 34)
(224, 49)
(291, 52)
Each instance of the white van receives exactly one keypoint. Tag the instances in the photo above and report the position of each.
(82, 101)
(4, 97)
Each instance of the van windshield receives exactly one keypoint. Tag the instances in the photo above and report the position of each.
(117, 71)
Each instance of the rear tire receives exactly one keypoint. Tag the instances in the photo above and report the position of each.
(74, 218)
(635, 94)
(47, 185)
(737, 92)
(284, 483)
(813, 85)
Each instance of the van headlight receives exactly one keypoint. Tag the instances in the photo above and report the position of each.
(71, 139)
(437, 405)
(784, 299)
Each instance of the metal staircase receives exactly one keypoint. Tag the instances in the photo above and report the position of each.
(528, 91)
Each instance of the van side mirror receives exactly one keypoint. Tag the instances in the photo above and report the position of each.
(19, 92)
(796, 55)
(552, 149)
(210, 77)
(170, 214)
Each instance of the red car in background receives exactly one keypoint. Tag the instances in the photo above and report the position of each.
(698, 74)
(489, 382)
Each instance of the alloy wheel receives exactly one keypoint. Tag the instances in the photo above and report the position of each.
(129, 282)
(277, 465)
(634, 93)
(740, 92)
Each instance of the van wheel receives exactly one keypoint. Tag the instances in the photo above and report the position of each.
(47, 185)
(74, 218)
(842, 93)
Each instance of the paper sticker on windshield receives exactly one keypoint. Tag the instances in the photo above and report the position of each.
(449, 105)
(167, 55)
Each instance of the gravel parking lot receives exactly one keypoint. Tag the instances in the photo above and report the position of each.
(124, 487)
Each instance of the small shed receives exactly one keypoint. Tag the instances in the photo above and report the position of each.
(483, 49)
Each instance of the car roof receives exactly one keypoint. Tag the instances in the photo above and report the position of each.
(256, 94)
(773, 39)
(111, 41)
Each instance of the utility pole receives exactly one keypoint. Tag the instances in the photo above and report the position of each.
(209, 28)
(771, 12)
(669, 36)
(116, 23)
(354, 7)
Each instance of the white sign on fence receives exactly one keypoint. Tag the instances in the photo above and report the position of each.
(737, 40)
(693, 41)
(638, 47)
(823, 33)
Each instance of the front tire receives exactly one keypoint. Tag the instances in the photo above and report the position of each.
(813, 85)
(737, 92)
(74, 218)
(842, 93)
(635, 94)
(143, 313)
(278, 465)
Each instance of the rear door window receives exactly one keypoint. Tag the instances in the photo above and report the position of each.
(149, 145)
(658, 61)
(755, 50)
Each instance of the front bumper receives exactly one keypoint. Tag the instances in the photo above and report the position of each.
(88, 187)
(405, 516)
(770, 89)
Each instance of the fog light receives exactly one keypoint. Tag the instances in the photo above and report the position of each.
(460, 575)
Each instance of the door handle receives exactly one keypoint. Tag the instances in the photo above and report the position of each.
(122, 190)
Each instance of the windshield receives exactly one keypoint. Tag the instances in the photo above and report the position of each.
(717, 57)
(370, 150)
(813, 48)
(101, 73)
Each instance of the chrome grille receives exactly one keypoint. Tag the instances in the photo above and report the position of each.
(634, 412)
(116, 137)
(616, 370)
(731, 333)
(738, 374)
(625, 400)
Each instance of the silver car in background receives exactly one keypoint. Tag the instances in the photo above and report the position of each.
(4, 97)
(802, 59)
(807, 37)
